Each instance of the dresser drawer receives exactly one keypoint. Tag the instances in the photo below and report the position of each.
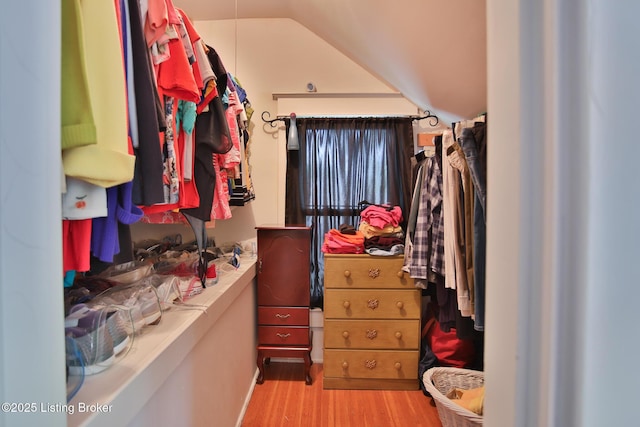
(281, 335)
(372, 304)
(372, 334)
(370, 364)
(365, 271)
(295, 316)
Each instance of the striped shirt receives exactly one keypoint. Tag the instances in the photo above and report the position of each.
(428, 244)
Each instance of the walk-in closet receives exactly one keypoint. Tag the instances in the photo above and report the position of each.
(269, 213)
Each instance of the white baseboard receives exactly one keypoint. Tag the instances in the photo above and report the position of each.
(247, 399)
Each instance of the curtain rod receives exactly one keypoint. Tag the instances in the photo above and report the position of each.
(433, 118)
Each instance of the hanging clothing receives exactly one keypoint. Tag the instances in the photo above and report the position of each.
(156, 20)
(220, 208)
(473, 143)
(174, 76)
(104, 238)
(169, 153)
(147, 179)
(427, 256)
(76, 245)
(459, 182)
(78, 125)
(83, 200)
(108, 162)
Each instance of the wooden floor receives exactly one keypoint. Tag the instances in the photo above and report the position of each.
(284, 400)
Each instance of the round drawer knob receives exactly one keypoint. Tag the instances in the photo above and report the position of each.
(345, 334)
(398, 335)
(398, 366)
(400, 305)
(346, 304)
(400, 274)
(347, 273)
(345, 365)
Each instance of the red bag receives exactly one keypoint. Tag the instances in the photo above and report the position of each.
(447, 347)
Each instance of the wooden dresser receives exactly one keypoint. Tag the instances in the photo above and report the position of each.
(283, 295)
(371, 324)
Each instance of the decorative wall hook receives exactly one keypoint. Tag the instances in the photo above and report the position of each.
(268, 119)
(434, 119)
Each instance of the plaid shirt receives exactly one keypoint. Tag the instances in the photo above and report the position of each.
(428, 243)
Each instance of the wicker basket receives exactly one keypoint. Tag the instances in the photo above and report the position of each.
(438, 382)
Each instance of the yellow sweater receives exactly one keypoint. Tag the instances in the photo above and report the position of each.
(108, 162)
(78, 127)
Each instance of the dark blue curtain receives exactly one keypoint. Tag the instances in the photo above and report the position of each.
(341, 163)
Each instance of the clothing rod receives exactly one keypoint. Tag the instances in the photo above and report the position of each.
(434, 119)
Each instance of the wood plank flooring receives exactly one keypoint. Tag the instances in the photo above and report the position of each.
(284, 400)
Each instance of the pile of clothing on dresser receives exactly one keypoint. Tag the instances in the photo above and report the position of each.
(378, 233)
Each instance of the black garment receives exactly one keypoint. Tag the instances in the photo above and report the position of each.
(347, 229)
(211, 133)
(218, 69)
(148, 173)
(205, 176)
(480, 135)
(382, 242)
(212, 128)
(437, 141)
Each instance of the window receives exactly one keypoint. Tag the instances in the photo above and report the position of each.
(342, 162)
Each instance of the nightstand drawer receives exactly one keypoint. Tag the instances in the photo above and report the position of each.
(370, 364)
(372, 334)
(285, 336)
(296, 316)
(358, 271)
(372, 304)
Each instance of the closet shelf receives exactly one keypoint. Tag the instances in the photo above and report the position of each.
(127, 385)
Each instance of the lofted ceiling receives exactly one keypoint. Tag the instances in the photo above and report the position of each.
(432, 51)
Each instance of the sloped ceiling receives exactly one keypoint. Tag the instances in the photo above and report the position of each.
(432, 51)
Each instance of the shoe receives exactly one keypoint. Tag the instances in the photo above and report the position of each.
(89, 352)
(74, 382)
(144, 302)
(118, 331)
(150, 306)
(128, 273)
(190, 287)
(188, 268)
(167, 287)
(88, 318)
(139, 300)
(212, 274)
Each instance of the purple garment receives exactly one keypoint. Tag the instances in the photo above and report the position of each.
(120, 208)
(242, 94)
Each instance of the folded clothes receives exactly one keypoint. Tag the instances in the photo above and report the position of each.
(336, 242)
(370, 231)
(393, 250)
(382, 242)
(381, 217)
(347, 229)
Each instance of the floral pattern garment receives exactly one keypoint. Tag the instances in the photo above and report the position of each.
(170, 177)
(220, 208)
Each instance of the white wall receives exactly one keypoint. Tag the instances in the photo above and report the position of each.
(32, 356)
(563, 228)
(212, 384)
